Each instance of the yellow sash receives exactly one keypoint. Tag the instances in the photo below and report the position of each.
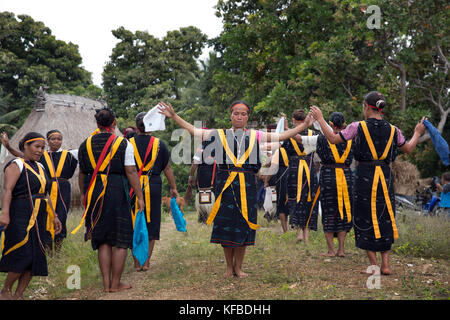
(145, 181)
(54, 188)
(313, 204)
(284, 156)
(237, 163)
(379, 176)
(341, 182)
(103, 177)
(36, 205)
(302, 165)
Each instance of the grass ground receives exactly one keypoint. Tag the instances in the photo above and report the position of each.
(187, 266)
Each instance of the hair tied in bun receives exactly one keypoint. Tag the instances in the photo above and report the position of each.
(380, 104)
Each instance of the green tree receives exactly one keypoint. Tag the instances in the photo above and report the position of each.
(280, 55)
(30, 57)
(144, 70)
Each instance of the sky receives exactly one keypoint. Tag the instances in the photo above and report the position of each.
(88, 23)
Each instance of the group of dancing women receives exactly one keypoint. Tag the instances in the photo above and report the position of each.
(119, 177)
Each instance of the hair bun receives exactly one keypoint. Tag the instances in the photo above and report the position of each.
(380, 104)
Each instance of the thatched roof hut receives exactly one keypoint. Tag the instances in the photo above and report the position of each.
(72, 115)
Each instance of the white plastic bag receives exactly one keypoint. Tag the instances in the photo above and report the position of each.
(154, 121)
(268, 200)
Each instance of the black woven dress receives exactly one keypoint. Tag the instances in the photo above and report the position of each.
(374, 211)
(24, 250)
(155, 182)
(108, 221)
(230, 228)
(303, 213)
(333, 219)
(61, 178)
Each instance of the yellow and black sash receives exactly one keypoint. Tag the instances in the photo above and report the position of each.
(54, 174)
(379, 176)
(232, 175)
(341, 183)
(36, 206)
(284, 156)
(302, 165)
(145, 181)
(103, 176)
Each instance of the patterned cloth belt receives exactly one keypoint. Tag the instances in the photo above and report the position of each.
(373, 163)
(335, 165)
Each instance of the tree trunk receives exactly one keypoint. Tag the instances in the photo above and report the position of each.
(399, 66)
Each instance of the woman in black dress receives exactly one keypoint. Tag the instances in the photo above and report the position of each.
(237, 155)
(150, 178)
(107, 168)
(59, 166)
(336, 185)
(24, 217)
(376, 146)
(302, 183)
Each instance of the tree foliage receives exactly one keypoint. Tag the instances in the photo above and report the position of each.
(31, 57)
(280, 55)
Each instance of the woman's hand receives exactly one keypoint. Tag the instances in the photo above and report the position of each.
(141, 204)
(174, 192)
(58, 225)
(4, 220)
(316, 113)
(166, 110)
(420, 127)
(4, 139)
(309, 120)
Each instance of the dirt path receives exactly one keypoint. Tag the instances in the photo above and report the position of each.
(298, 274)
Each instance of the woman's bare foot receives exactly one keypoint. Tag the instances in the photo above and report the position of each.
(145, 267)
(372, 269)
(341, 254)
(385, 271)
(228, 273)
(121, 287)
(328, 254)
(240, 274)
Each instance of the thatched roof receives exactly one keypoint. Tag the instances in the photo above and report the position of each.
(72, 115)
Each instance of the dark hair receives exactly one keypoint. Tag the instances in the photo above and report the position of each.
(52, 131)
(28, 136)
(299, 114)
(375, 100)
(105, 117)
(239, 102)
(338, 120)
(139, 119)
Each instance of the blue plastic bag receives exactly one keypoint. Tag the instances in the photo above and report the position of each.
(140, 238)
(440, 145)
(178, 216)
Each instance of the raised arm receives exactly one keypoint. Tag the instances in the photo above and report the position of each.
(273, 136)
(169, 112)
(409, 146)
(334, 138)
(5, 141)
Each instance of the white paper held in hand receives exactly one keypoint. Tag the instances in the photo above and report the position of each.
(153, 120)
